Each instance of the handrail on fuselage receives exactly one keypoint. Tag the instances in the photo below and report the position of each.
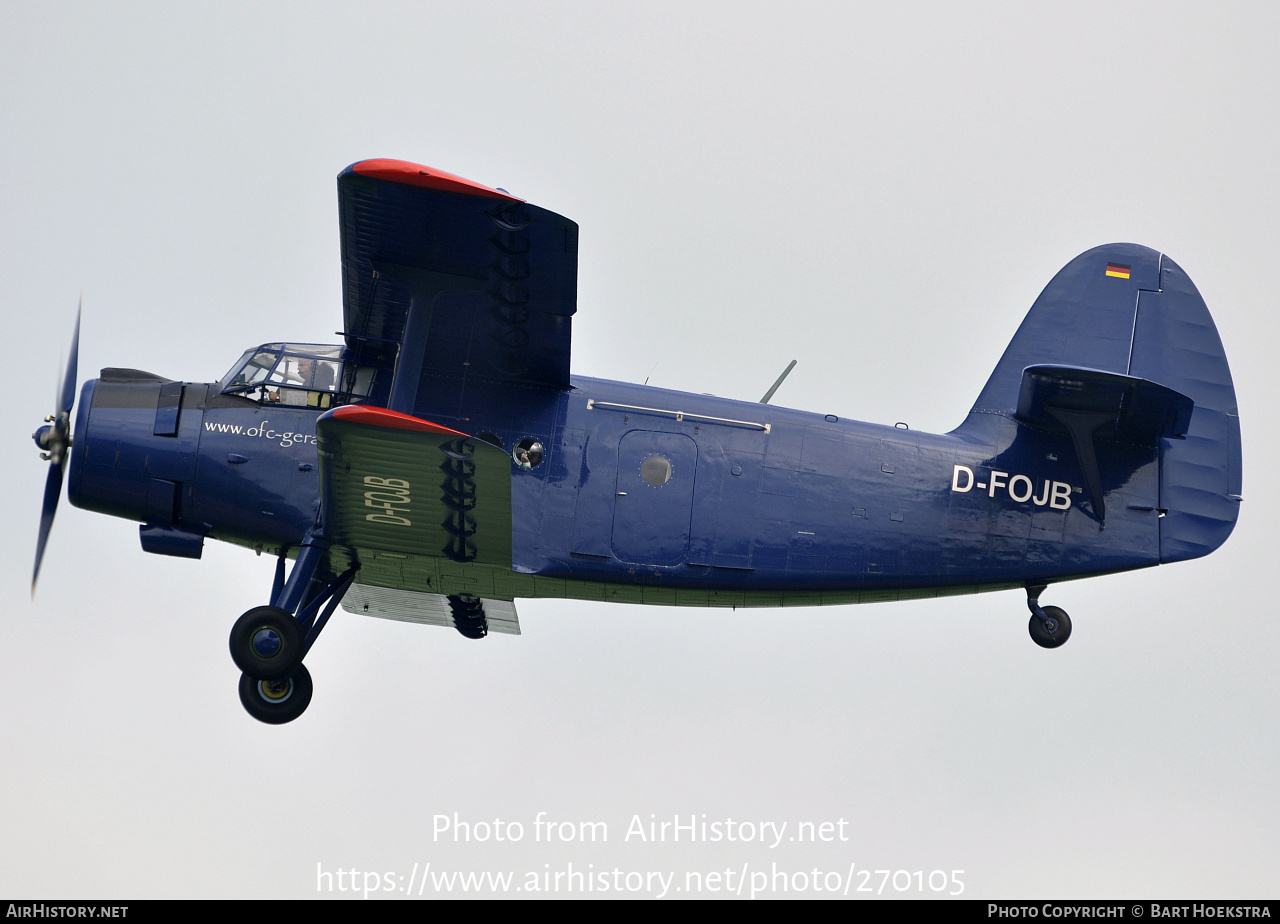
(678, 415)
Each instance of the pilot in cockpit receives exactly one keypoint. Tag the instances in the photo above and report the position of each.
(316, 375)
(315, 381)
(272, 375)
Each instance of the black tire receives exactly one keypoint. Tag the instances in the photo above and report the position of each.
(1050, 638)
(277, 701)
(471, 629)
(468, 616)
(267, 665)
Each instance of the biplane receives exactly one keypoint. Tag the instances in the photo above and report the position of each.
(441, 462)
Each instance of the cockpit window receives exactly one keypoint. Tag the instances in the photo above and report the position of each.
(257, 369)
(298, 375)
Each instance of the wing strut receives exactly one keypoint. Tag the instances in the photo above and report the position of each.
(404, 383)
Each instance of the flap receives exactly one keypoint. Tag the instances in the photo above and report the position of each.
(425, 609)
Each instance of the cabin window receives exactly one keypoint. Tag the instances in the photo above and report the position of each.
(655, 471)
(528, 453)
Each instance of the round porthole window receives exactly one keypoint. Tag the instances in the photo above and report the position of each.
(527, 453)
(655, 471)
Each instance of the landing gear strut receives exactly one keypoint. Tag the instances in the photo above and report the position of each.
(268, 643)
(1050, 626)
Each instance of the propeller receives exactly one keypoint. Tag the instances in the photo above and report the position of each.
(55, 440)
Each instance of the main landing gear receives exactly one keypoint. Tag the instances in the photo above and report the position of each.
(276, 701)
(1050, 626)
(468, 616)
(268, 643)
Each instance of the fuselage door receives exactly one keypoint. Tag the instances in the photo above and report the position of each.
(653, 502)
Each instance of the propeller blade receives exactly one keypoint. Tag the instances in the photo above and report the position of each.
(69, 383)
(56, 439)
(52, 492)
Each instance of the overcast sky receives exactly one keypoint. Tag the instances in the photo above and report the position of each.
(879, 191)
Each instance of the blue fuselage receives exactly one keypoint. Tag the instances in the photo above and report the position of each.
(753, 497)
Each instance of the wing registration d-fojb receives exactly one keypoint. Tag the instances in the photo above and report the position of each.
(441, 461)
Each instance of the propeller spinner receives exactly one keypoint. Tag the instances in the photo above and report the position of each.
(55, 440)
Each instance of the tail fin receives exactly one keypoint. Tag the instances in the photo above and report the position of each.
(1127, 310)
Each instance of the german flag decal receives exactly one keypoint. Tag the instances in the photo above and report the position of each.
(1118, 270)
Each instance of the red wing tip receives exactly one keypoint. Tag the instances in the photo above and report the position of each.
(382, 417)
(402, 171)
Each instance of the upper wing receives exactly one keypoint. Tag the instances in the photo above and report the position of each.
(467, 280)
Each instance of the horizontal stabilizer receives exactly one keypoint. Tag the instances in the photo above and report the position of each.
(1094, 405)
(1141, 411)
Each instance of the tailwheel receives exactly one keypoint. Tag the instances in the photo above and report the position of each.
(276, 701)
(266, 643)
(1051, 631)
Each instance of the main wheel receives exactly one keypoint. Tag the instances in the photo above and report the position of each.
(266, 643)
(468, 616)
(276, 701)
(1055, 633)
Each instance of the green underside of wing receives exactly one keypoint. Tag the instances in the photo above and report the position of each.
(425, 495)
